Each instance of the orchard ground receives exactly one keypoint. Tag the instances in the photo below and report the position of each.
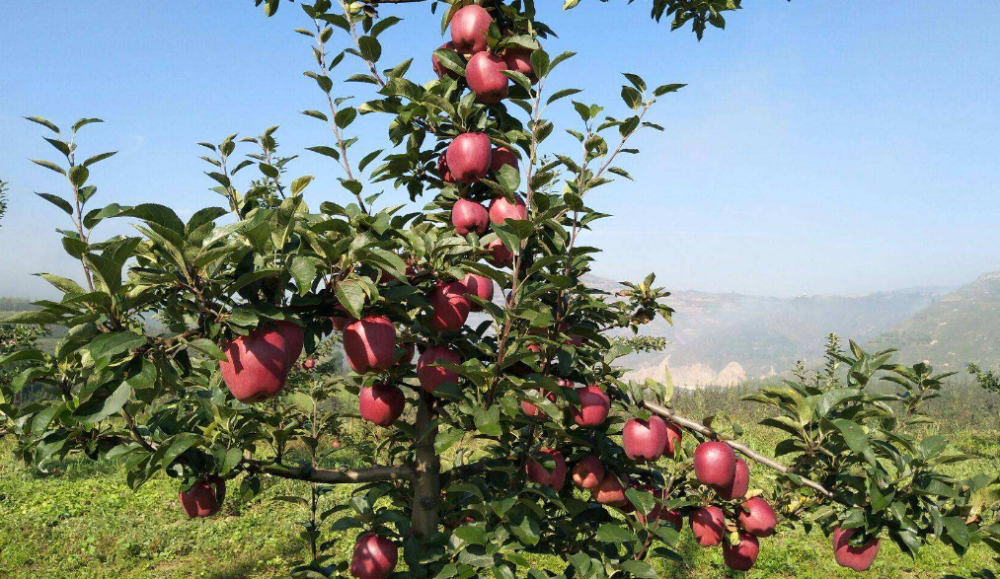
(87, 524)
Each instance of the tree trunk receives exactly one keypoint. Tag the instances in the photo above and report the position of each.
(427, 484)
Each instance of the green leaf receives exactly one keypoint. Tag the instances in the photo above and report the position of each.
(854, 435)
(563, 94)
(471, 534)
(98, 158)
(643, 501)
(155, 213)
(345, 117)
(251, 277)
(352, 296)
(111, 344)
(509, 178)
(488, 421)
(300, 184)
(97, 410)
(207, 347)
(49, 165)
(78, 176)
(612, 533)
(640, 569)
(57, 201)
(44, 122)
(180, 443)
(371, 50)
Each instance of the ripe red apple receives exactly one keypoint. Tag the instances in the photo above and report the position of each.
(860, 557)
(370, 344)
(588, 473)
(440, 69)
(257, 364)
(714, 463)
(611, 491)
(674, 434)
(340, 320)
(204, 498)
(594, 406)
(500, 256)
(708, 525)
(479, 286)
(645, 439)
(501, 210)
(294, 337)
(742, 556)
(538, 474)
(740, 485)
(443, 171)
(469, 156)
(519, 59)
(374, 557)
(483, 73)
(449, 306)
(469, 216)
(757, 517)
(382, 403)
(335, 444)
(502, 156)
(532, 411)
(469, 27)
(309, 363)
(431, 377)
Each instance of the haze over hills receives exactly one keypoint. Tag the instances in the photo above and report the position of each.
(961, 327)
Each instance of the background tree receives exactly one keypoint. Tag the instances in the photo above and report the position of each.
(497, 435)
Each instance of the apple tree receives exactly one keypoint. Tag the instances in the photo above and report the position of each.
(448, 269)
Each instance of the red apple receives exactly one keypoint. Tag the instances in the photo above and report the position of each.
(257, 364)
(757, 517)
(741, 482)
(469, 156)
(611, 491)
(479, 286)
(443, 171)
(469, 216)
(645, 439)
(294, 337)
(588, 473)
(309, 363)
(742, 556)
(409, 349)
(674, 434)
(857, 557)
(532, 411)
(594, 406)
(714, 463)
(382, 403)
(469, 27)
(335, 444)
(502, 156)
(202, 500)
(501, 210)
(483, 73)
(519, 59)
(370, 344)
(440, 69)
(538, 474)
(500, 256)
(431, 377)
(449, 306)
(341, 320)
(708, 525)
(374, 557)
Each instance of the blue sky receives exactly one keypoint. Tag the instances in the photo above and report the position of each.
(820, 147)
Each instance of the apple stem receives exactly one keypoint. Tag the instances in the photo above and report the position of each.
(741, 448)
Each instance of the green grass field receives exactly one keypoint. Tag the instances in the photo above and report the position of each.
(84, 522)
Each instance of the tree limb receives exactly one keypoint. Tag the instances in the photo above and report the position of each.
(336, 476)
(741, 448)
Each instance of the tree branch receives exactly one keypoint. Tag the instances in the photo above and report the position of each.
(741, 448)
(336, 476)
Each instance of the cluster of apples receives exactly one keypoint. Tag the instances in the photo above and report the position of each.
(470, 28)
(718, 467)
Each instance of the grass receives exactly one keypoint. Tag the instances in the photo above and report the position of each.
(85, 523)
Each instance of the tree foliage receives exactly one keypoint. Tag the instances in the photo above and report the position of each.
(448, 480)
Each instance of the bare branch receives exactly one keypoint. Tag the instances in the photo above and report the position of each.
(337, 476)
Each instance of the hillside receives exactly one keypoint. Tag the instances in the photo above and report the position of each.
(728, 338)
(962, 327)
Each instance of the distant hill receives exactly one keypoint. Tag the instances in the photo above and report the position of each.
(962, 327)
(728, 338)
